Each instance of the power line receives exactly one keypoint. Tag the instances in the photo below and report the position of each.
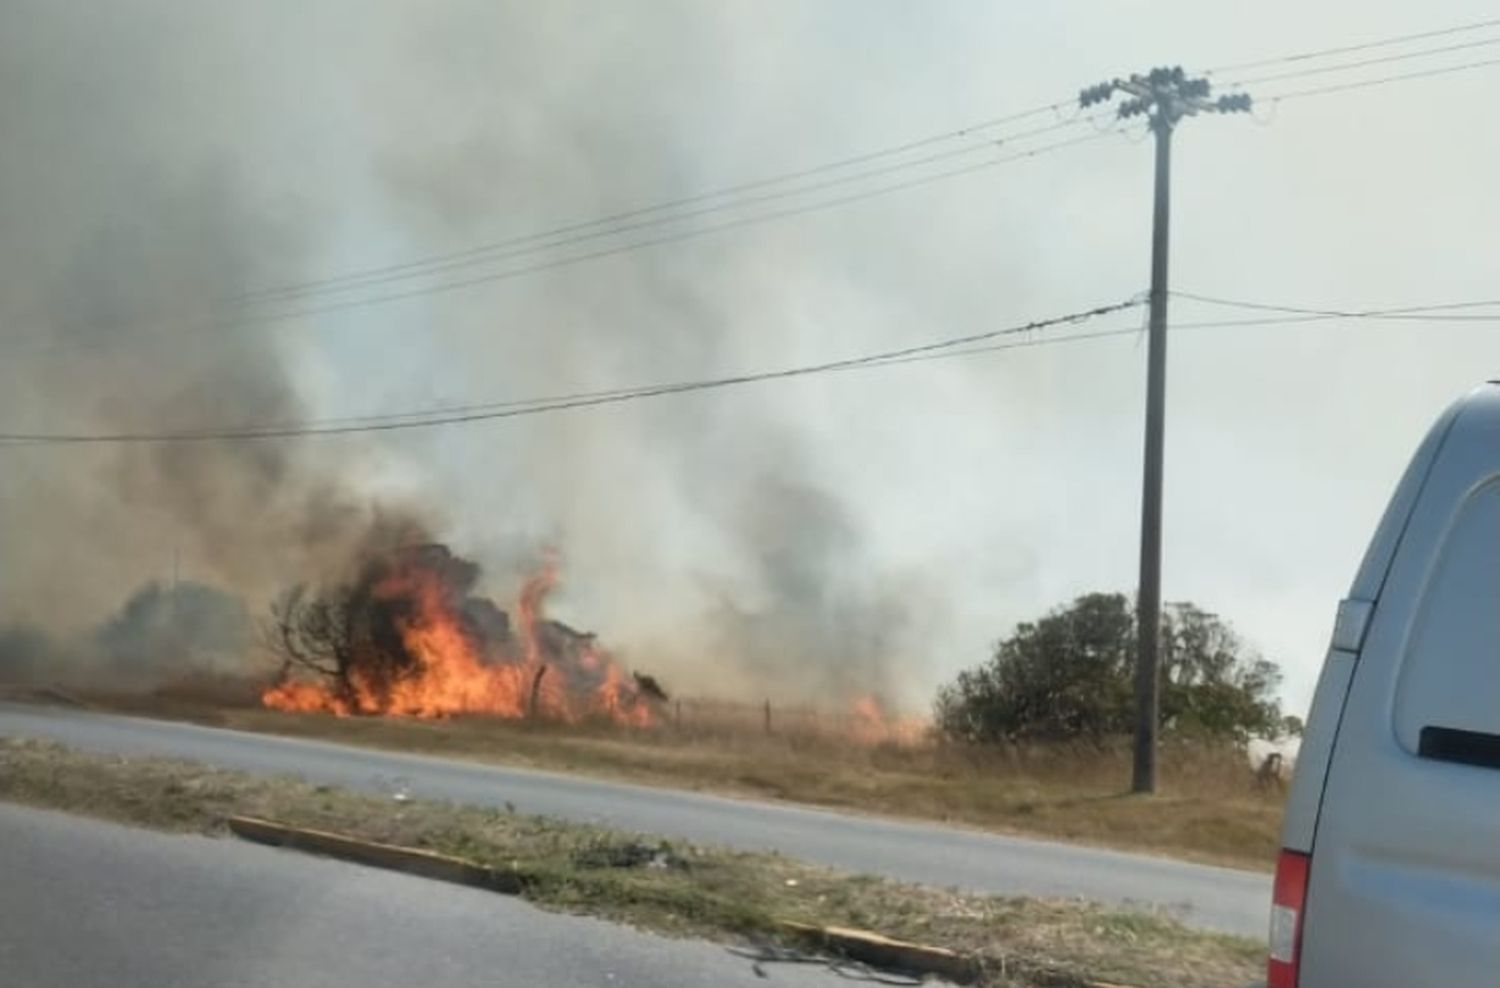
(1348, 49)
(1321, 316)
(353, 280)
(1128, 331)
(400, 421)
(1380, 81)
(547, 240)
(1422, 313)
(1299, 320)
(967, 346)
(643, 390)
(472, 254)
(1362, 63)
(422, 269)
(603, 252)
(942, 350)
(969, 131)
(461, 409)
(972, 351)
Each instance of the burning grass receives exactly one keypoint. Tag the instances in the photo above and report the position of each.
(671, 887)
(408, 635)
(1210, 810)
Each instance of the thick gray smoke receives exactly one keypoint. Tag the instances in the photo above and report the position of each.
(825, 619)
(150, 177)
(130, 217)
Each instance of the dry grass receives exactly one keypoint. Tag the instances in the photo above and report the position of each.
(1210, 808)
(689, 890)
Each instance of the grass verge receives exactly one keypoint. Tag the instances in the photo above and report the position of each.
(669, 887)
(1209, 810)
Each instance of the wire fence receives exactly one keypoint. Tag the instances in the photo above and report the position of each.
(865, 721)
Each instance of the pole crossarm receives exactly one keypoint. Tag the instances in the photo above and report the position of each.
(1165, 95)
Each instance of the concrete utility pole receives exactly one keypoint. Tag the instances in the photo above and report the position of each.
(1164, 96)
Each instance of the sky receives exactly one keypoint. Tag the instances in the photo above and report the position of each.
(883, 526)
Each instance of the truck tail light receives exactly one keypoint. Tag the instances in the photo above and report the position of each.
(1288, 899)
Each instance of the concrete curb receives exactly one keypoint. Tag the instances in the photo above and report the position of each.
(917, 958)
(426, 864)
(880, 951)
(859, 945)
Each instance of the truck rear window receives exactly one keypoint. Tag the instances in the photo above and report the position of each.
(1450, 674)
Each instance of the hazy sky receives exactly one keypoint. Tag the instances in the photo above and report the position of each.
(912, 513)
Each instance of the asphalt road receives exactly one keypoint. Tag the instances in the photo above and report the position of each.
(84, 903)
(1214, 898)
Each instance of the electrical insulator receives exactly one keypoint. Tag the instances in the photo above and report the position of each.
(1095, 94)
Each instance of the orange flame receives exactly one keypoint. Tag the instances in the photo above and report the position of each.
(550, 671)
(870, 723)
(300, 697)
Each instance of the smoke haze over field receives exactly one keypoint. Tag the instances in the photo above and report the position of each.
(868, 532)
(127, 217)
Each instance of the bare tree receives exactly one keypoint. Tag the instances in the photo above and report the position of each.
(314, 633)
(348, 635)
(650, 687)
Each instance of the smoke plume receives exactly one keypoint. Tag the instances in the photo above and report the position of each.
(163, 160)
(131, 221)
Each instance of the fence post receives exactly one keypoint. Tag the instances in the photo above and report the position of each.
(768, 716)
(536, 687)
(677, 714)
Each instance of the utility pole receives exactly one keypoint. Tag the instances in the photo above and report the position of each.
(1164, 96)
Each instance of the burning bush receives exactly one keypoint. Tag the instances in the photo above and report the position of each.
(408, 636)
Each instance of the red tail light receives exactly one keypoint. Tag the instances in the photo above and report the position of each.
(1288, 897)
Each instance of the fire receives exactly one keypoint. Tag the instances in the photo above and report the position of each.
(303, 698)
(408, 639)
(870, 723)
